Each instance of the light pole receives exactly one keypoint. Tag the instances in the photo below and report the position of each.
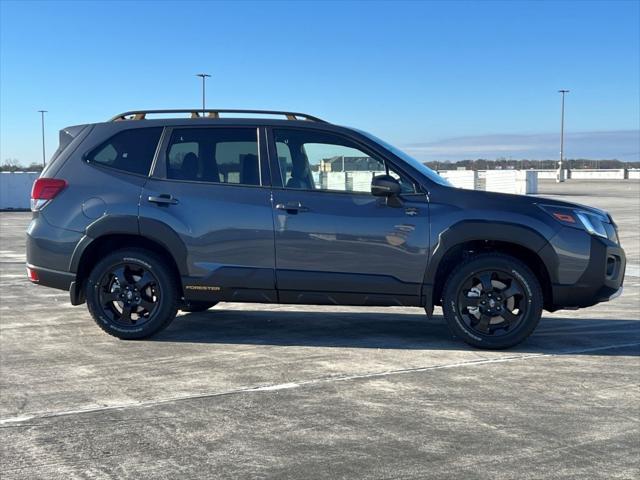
(560, 176)
(42, 112)
(204, 76)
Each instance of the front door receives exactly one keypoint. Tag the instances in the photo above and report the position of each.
(334, 241)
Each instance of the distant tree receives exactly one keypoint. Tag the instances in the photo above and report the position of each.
(13, 165)
(34, 167)
(10, 165)
(503, 163)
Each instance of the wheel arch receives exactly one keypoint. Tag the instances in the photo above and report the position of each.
(462, 241)
(93, 249)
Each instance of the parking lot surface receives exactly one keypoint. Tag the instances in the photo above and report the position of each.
(275, 391)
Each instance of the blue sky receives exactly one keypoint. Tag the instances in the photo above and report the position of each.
(443, 80)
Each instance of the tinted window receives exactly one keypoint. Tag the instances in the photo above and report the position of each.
(130, 150)
(312, 160)
(284, 160)
(217, 155)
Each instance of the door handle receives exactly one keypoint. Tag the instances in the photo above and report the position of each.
(411, 211)
(292, 207)
(164, 199)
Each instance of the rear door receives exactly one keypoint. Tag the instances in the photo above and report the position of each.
(335, 242)
(209, 187)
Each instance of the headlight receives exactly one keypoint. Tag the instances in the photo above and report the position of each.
(592, 222)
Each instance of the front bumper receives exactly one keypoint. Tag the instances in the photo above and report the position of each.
(601, 280)
(617, 294)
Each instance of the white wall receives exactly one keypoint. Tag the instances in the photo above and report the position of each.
(360, 181)
(520, 182)
(461, 178)
(601, 174)
(548, 174)
(503, 181)
(527, 182)
(15, 189)
(634, 174)
(336, 181)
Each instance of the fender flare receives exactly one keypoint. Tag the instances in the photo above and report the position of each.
(483, 230)
(154, 230)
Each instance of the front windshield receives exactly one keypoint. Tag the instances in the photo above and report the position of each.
(421, 167)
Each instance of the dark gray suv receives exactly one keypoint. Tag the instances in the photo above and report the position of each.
(143, 217)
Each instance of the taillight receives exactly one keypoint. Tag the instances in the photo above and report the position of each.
(33, 275)
(45, 190)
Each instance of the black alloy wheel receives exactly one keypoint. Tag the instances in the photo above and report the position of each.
(492, 300)
(129, 294)
(132, 294)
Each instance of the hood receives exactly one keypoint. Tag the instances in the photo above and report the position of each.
(510, 201)
(572, 205)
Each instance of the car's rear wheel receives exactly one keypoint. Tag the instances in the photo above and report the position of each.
(492, 301)
(197, 306)
(131, 294)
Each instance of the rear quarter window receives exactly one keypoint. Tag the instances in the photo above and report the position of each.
(130, 150)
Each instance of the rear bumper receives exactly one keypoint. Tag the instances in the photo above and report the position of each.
(50, 247)
(601, 281)
(52, 278)
(49, 252)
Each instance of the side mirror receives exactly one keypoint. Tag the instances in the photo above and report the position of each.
(385, 186)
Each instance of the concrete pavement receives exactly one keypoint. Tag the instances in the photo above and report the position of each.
(257, 391)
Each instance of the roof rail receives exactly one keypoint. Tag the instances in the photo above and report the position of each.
(213, 113)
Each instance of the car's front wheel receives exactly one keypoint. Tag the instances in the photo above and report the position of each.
(492, 301)
(131, 294)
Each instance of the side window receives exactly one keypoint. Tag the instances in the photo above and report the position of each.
(215, 154)
(284, 160)
(312, 160)
(178, 152)
(130, 150)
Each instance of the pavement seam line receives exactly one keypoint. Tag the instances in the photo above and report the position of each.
(291, 385)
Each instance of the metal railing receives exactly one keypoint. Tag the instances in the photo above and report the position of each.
(213, 113)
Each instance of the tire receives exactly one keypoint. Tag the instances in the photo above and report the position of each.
(197, 306)
(131, 294)
(492, 301)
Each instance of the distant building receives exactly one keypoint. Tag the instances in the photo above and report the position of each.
(349, 164)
